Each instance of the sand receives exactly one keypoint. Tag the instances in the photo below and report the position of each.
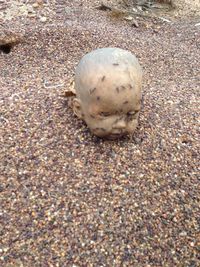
(70, 199)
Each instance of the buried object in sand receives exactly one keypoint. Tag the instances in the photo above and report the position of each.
(108, 85)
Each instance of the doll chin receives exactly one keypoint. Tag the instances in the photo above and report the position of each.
(113, 136)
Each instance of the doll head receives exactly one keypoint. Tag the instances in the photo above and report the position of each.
(108, 92)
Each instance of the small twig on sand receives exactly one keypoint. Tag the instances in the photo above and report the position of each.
(52, 86)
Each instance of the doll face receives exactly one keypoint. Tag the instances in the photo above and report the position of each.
(108, 87)
(112, 121)
(111, 113)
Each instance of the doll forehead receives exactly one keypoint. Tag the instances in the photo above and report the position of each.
(98, 108)
(112, 104)
(112, 94)
(115, 100)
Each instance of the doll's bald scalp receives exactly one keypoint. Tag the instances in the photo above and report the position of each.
(106, 67)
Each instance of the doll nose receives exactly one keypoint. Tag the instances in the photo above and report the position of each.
(120, 124)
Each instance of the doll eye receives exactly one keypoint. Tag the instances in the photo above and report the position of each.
(131, 113)
(104, 114)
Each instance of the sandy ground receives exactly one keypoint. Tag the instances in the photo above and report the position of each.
(187, 7)
(70, 199)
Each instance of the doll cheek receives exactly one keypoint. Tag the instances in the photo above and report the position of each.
(93, 110)
(132, 126)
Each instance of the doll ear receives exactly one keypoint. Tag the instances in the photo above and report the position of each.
(76, 106)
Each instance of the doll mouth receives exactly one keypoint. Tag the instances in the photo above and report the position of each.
(115, 134)
(118, 132)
